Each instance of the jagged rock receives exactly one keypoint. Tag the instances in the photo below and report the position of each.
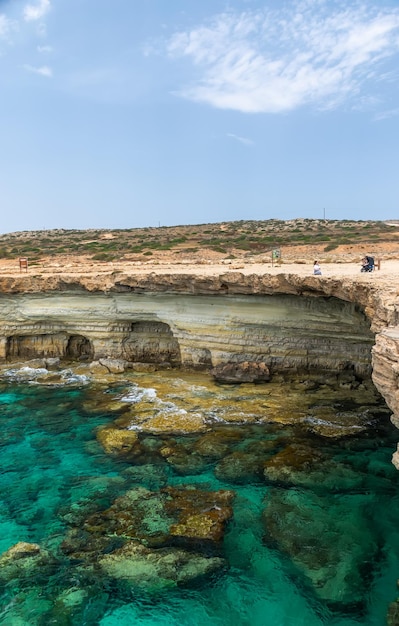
(245, 372)
(175, 422)
(95, 367)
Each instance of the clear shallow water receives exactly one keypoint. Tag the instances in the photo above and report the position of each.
(344, 509)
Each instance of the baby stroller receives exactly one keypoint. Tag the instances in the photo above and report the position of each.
(367, 264)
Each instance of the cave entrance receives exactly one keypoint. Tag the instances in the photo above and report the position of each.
(151, 342)
(79, 348)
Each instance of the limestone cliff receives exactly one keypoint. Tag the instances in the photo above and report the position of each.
(199, 319)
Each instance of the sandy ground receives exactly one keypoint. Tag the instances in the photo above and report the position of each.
(387, 275)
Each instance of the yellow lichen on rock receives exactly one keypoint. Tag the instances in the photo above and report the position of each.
(116, 441)
(176, 423)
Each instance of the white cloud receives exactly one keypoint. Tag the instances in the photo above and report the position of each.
(44, 70)
(308, 52)
(33, 12)
(44, 49)
(244, 140)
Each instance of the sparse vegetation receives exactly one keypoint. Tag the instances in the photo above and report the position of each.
(231, 239)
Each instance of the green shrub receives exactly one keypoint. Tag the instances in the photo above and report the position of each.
(103, 256)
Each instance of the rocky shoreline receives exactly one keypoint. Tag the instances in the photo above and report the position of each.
(65, 308)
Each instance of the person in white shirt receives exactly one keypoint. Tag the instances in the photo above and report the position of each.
(316, 269)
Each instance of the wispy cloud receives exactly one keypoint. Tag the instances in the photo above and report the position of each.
(308, 52)
(44, 49)
(33, 12)
(6, 27)
(244, 140)
(44, 70)
(384, 115)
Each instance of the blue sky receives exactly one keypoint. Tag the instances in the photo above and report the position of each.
(130, 113)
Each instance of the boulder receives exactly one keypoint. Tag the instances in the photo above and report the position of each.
(114, 366)
(245, 372)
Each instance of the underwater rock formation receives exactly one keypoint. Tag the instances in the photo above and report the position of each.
(23, 560)
(157, 569)
(185, 521)
(327, 548)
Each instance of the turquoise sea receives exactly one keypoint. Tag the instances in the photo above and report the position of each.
(315, 544)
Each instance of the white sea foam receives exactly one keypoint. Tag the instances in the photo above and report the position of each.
(317, 421)
(70, 377)
(169, 407)
(138, 394)
(25, 373)
(32, 374)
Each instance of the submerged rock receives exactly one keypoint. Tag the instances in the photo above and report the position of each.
(247, 464)
(24, 562)
(202, 515)
(186, 515)
(240, 467)
(184, 462)
(156, 569)
(302, 465)
(393, 614)
(328, 422)
(329, 541)
(138, 514)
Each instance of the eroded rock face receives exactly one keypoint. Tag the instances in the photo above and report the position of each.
(386, 373)
(276, 332)
(287, 321)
